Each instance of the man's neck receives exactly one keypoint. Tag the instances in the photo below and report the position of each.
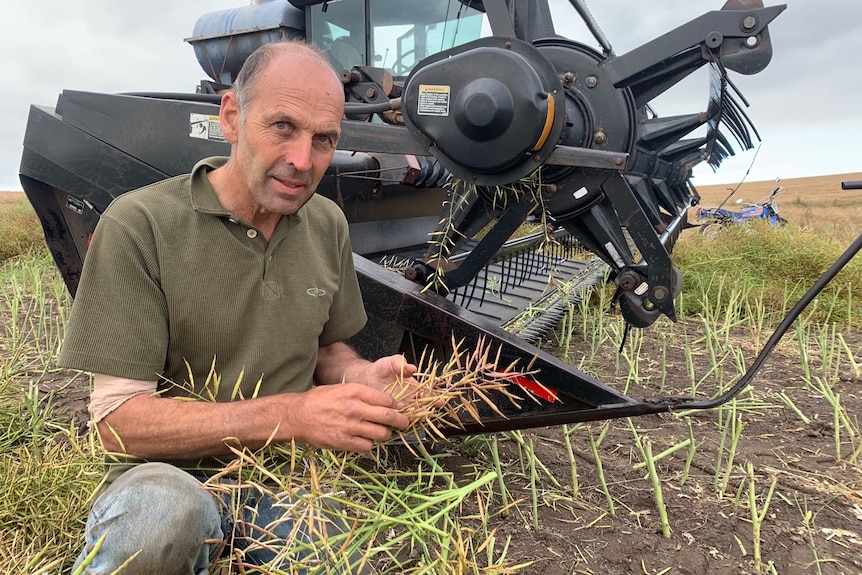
(228, 189)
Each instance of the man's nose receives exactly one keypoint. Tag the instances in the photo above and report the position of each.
(299, 154)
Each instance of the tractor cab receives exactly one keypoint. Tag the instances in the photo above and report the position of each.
(391, 34)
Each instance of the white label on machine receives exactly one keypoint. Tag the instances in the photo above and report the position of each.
(434, 100)
(614, 254)
(205, 127)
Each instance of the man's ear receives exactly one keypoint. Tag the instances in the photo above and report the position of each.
(229, 117)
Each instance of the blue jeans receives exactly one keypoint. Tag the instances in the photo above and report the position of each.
(160, 520)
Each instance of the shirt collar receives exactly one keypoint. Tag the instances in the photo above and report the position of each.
(203, 196)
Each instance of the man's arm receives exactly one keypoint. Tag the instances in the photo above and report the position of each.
(349, 416)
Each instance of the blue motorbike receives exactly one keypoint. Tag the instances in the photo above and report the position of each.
(712, 220)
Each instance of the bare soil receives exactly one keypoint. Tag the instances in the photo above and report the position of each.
(709, 533)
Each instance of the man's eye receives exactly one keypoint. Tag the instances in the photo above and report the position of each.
(325, 140)
(281, 125)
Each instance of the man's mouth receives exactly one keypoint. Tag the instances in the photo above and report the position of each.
(290, 184)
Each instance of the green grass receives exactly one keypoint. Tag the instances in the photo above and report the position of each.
(769, 268)
(47, 471)
(45, 486)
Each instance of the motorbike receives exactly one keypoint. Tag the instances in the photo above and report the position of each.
(712, 221)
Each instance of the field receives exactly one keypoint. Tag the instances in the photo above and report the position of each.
(813, 203)
(768, 483)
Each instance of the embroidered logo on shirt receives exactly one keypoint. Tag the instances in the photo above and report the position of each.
(316, 292)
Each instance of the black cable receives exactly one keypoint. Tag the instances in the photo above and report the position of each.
(779, 331)
(204, 98)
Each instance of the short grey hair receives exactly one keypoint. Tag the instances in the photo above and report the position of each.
(243, 86)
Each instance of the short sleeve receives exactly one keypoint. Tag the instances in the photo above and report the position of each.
(118, 324)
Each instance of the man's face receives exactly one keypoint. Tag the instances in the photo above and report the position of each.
(286, 139)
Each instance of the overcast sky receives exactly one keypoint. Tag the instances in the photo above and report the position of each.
(806, 104)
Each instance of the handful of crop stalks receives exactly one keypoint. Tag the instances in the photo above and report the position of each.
(448, 390)
(353, 514)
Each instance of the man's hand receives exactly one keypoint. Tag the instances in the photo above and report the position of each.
(361, 403)
(338, 363)
(392, 374)
(347, 416)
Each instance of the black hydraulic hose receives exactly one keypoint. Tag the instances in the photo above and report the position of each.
(372, 108)
(779, 331)
(204, 98)
(349, 107)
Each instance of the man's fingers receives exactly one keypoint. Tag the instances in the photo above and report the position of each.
(390, 417)
(353, 416)
(395, 365)
(365, 394)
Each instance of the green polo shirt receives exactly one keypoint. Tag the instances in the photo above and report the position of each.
(177, 289)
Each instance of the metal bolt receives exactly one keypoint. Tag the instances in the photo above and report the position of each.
(618, 161)
(569, 77)
(600, 137)
(591, 81)
(749, 22)
(628, 282)
(371, 93)
(659, 293)
(713, 40)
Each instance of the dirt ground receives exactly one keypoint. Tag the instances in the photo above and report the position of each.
(709, 533)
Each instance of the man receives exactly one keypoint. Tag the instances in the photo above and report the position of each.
(233, 283)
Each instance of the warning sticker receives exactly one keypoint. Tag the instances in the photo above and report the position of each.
(205, 127)
(434, 100)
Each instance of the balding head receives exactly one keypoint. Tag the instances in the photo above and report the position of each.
(260, 59)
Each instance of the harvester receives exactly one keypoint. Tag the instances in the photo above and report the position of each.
(465, 119)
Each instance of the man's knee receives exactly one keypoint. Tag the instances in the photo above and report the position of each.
(156, 491)
(160, 515)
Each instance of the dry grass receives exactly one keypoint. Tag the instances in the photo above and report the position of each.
(6, 197)
(20, 232)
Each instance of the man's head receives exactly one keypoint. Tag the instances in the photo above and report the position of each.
(282, 118)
